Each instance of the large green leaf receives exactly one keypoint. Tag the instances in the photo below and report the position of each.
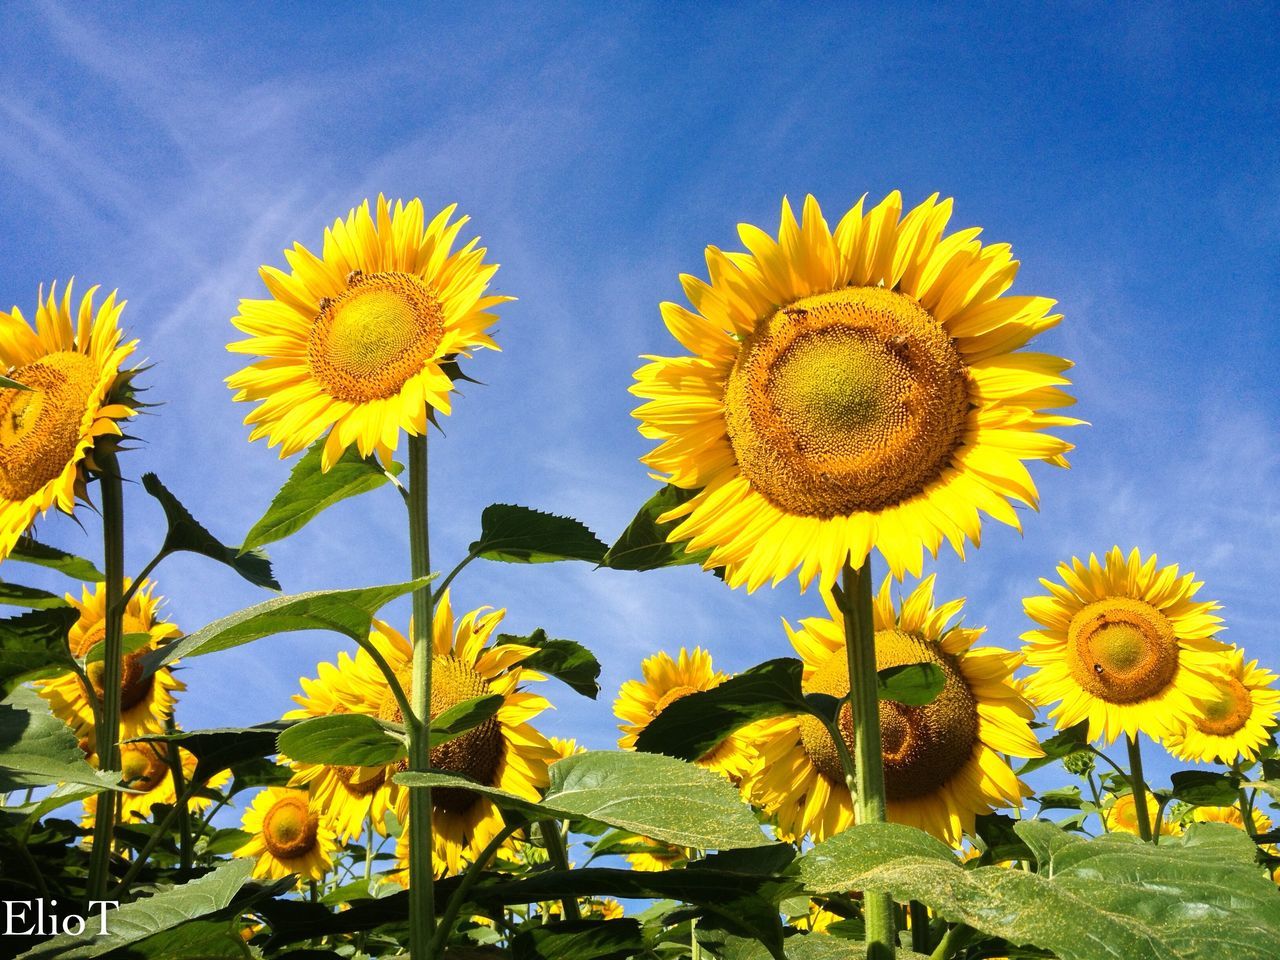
(16, 595)
(344, 739)
(187, 533)
(193, 940)
(37, 749)
(579, 940)
(911, 684)
(514, 534)
(1198, 897)
(222, 748)
(34, 645)
(646, 793)
(566, 660)
(349, 612)
(461, 717)
(27, 550)
(1205, 788)
(308, 492)
(644, 545)
(134, 922)
(812, 946)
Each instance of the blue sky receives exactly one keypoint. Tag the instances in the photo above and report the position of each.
(1127, 153)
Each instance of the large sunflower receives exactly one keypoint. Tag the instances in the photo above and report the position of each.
(504, 751)
(75, 395)
(1123, 646)
(146, 701)
(850, 390)
(1236, 721)
(145, 768)
(942, 761)
(289, 836)
(354, 341)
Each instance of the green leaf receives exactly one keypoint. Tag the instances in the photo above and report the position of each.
(34, 645)
(187, 533)
(27, 550)
(911, 684)
(193, 940)
(1069, 741)
(129, 643)
(37, 749)
(566, 660)
(134, 922)
(1198, 897)
(1204, 788)
(644, 546)
(461, 717)
(308, 492)
(10, 384)
(809, 946)
(579, 940)
(514, 534)
(344, 739)
(349, 612)
(225, 747)
(16, 595)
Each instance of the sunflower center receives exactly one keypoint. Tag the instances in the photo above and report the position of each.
(289, 828)
(1121, 650)
(846, 401)
(670, 697)
(1229, 712)
(40, 428)
(361, 781)
(376, 334)
(141, 767)
(923, 747)
(478, 752)
(135, 684)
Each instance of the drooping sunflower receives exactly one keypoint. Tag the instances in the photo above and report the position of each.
(145, 767)
(1236, 721)
(76, 394)
(145, 701)
(665, 681)
(354, 341)
(1122, 816)
(289, 836)
(1123, 645)
(850, 389)
(942, 761)
(505, 751)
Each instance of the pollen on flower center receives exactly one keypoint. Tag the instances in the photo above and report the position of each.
(1228, 713)
(366, 342)
(924, 746)
(1122, 650)
(289, 827)
(846, 401)
(41, 427)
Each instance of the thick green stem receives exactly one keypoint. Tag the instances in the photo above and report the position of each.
(951, 941)
(558, 854)
(179, 789)
(1139, 787)
(107, 734)
(422, 918)
(854, 597)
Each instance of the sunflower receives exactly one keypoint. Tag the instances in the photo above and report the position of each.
(504, 751)
(848, 390)
(1122, 816)
(942, 761)
(355, 342)
(144, 767)
(1232, 816)
(666, 681)
(288, 836)
(1123, 646)
(146, 701)
(1236, 721)
(75, 395)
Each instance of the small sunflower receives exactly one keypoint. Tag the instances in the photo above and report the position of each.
(504, 751)
(145, 701)
(943, 762)
(1233, 817)
(354, 342)
(1124, 645)
(1236, 721)
(1122, 816)
(76, 394)
(665, 681)
(288, 836)
(848, 390)
(145, 768)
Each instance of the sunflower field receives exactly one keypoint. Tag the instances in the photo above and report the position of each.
(845, 400)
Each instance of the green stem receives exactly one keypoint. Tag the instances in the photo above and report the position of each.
(107, 734)
(854, 598)
(137, 581)
(179, 790)
(161, 830)
(1139, 787)
(368, 849)
(558, 854)
(422, 919)
(450, 916)
(955, 938)
(407, 710)
(695, 948)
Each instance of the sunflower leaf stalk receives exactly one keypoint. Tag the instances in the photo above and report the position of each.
(107, 735)
(854, 598)
(1138, 784)
(421, 837)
